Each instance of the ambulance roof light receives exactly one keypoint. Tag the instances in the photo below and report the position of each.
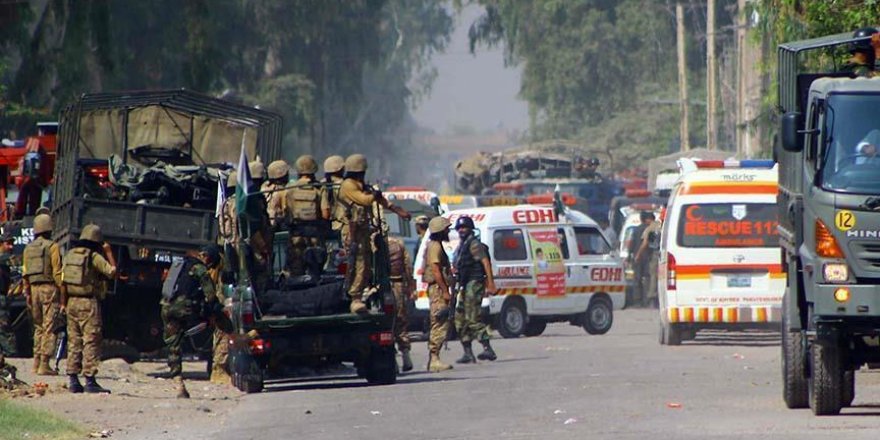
(746, 163)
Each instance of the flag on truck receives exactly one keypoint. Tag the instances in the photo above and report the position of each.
(244, 179)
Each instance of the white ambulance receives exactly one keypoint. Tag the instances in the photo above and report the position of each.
(547, 268)
(720, 263)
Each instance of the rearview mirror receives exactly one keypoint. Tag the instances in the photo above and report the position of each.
(792, 124)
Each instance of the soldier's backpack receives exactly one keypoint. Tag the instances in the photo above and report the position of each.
(304, 202)
(76, 267)
(179, 281)
(35, 257)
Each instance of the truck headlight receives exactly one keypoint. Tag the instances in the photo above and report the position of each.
(836, 272)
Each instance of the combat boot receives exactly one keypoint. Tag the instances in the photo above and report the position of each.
(488, 354)
(36, 363)
(407, 361)
(219, 376)
(44, 369)
(93, 387)
(357, 305)
(182, 393)
(468, 356)
(435, 365)
(73, 384)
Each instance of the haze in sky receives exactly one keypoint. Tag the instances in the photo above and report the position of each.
(474, 91)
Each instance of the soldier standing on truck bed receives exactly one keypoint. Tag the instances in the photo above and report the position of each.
(272, 189)
(187, 293)
(402, 284)
(357, 198)
(304, 211)
(438, 274)
(7, 333)
(84, 269)
(228, 227)
(334, 168)
(474, 273)
(41, 273)
(863, 53)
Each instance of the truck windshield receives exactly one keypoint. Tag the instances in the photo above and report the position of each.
(852, 140)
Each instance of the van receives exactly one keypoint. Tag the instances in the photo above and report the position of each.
(550, 265)
(720, 264)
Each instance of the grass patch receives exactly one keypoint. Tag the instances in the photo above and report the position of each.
(19, 421)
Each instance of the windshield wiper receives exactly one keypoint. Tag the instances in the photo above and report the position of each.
(871, 204)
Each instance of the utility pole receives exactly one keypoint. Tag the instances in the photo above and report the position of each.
(741, 129)
(711, 77)
(682, 79)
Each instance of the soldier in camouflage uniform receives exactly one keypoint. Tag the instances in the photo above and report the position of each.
(474, 272)
(438, 274)
(304, 209)
(334, 169)
(228, 223)
(222, 325)
(85, 267)
(184, 302)
(357, 199)
(7, 333)
(272, 189)
(402, 284)
(41, 272)
(863, 58)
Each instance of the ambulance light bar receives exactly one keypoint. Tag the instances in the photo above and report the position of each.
(746, 163)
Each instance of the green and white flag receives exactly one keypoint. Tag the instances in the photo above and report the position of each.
(242, 187)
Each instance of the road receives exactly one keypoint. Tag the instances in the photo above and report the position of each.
(563, 384)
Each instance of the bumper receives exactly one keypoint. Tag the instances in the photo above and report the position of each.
(725, 315)
(864, 301)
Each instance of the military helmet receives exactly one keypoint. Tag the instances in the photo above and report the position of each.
(212, 251)
(422, 221)
(232, 179)
(334, 164)
(42, 210)
(356, 163)
(306, 164)
(864, 44)
(258, 171)
(464, 222)
(92, 232)
(278, 169)
(438, 224)
(42, 223)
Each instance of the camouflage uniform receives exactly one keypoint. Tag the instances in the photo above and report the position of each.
(84, 308)
(439, 325)
(467, 308)
(330, 199)
(7, 333)
(401, 284)
(274, 194)
(357, 202)
(302, 204)
(41, 271)
(181, 312)
(222, 327)
(651, 243)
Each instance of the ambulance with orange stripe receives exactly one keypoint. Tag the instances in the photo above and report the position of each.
(720, 264)
(551, 264)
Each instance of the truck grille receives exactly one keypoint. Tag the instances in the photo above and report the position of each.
(867, 254)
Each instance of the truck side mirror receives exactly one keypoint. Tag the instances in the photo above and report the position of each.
(792, 124)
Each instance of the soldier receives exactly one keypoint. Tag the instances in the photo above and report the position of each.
(640, 264)
(213, 259)
(357, 199)
(279, 177)
(437, 273)
(474, 273)
(863, 53)
(422, 225)
(257, 171)
(7, 333)
(334, 168)
(304, 211)
(228, 222)
(402, 284)
(41, 273)
(186, 295)
(84, 269)
(649, 253)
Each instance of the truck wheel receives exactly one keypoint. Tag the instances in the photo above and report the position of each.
(250, 383)
(826, 381)
(849, 388)
(794, 382)
(382, 368)
(599, 316)
(512, 319)
(669, 335)
(535, 327)
(247, 376)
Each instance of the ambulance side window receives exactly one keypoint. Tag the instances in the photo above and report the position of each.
(509, 245)
(563, 243)
(591, 242)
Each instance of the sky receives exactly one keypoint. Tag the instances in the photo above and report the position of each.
(472, 91)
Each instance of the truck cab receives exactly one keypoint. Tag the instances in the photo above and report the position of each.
(829, 225)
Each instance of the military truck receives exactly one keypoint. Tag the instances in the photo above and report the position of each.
(829, 223)
(144, 166)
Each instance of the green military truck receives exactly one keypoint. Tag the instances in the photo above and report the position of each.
(144, 166)
(829, 202)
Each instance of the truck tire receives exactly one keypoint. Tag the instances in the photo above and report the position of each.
(795, 390)
(849, 389)
(535, 327)
(382, 367)
(247, 376)
(669, 335)
(826, 380)
(512, 319)
(599, 316)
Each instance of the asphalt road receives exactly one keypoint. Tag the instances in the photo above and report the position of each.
(563, 384)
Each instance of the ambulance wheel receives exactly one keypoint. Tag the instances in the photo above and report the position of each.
(826, 380)
(849, 388)
(535, 327)
(669, 335)
(599, 316)
(512, 319)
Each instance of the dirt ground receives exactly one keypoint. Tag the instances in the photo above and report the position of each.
(138, 399)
